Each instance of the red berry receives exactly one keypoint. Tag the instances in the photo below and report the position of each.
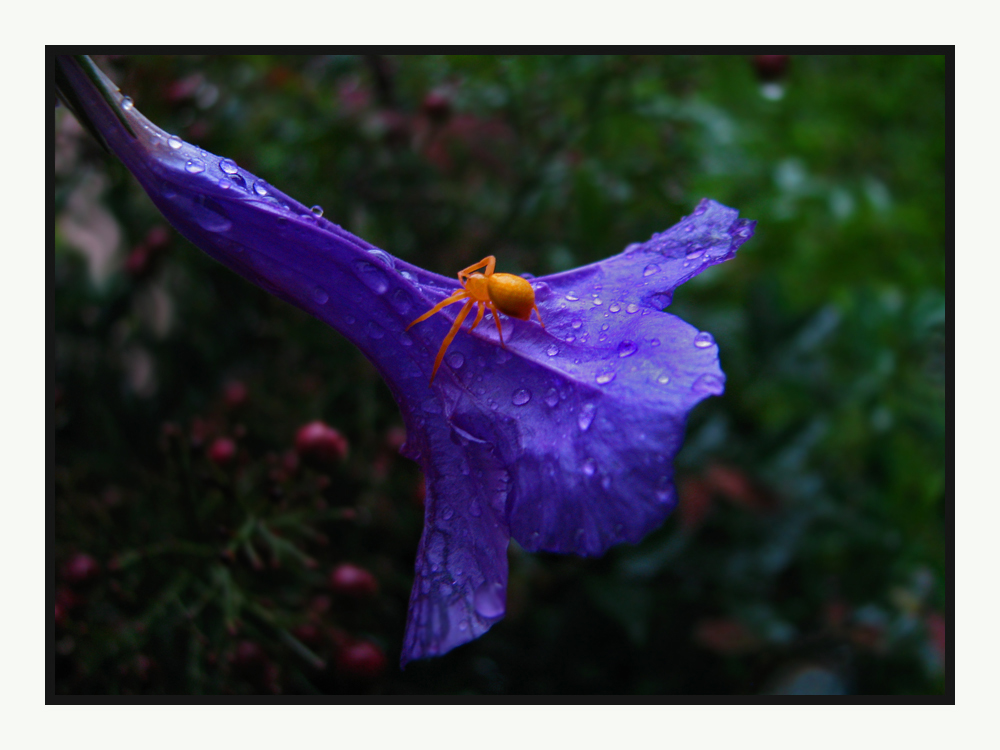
(321, 443)
(80, 568)
(352, 580)
(222, 451)
(309, 634)
(361, 659)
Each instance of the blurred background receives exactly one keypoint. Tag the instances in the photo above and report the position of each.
(231, 512)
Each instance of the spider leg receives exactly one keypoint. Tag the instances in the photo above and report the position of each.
(451, 334)
(496, 319)
(458, 295)
(479, 315)
(490, 262)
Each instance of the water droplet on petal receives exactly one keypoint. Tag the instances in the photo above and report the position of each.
(127, 103)
(552, 398)
(606, 481)
(703, 340)
(552, 350)
(174, 142)
(576, 324)
(488, 600)
(663, 379)
(589, 467)
(349, 319)
(597, 302)
(194, 166)
(463, 625)
(654, 342)
(696, 253)
(632, 308)
(224, 184)
(614, 307)
(586, 416)
(238, 180)
(627, 349)
(708, 384)
(447, 513)
(605, 377)
(260, 188)
(521, 397)
(372, 276)
(228, 166)
(663, 496)
(319, 294)
(317, 210)
(375, 330)
(650, 269)
(475, 510)
(572, 297)
(456, 360)
(383, 257)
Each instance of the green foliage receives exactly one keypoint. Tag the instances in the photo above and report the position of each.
(811, 534)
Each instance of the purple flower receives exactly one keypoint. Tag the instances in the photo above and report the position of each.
(563, 440)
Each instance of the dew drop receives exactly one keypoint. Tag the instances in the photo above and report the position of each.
(572, 297)
(603, 337)
(238, 180)
(317, 210)
(597, 302)
(632, 308)
(319, 294)
(375, 330)
(708, 384)
(521, 397)
(586, 416)
(627, 349)
(570, 339)
(703, 340)
(260, 188)
(663, 496)
(663, 379)
(552, 350)
(589, 467)
(654, 342)
(463, 625)
(127, 103)
(456, 360)
(502, 355)
(372, 277)
(552, 398)
(349, 319)
(606, 482)
(614, 307)
(650, 269)
(383, 257)
(447, 513)
(224, 184)
(696, 253)
(194, 166)
(605, 377)
(576, 324)
(174, 142)
(488, 600)
(228, 166)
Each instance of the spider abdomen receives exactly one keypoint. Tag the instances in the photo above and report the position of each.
(511, 294)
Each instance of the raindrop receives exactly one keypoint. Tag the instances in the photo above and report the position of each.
(663, 496)
(605, 377)
(570, 339)
(708, 384)
(597, 302)
(589, 467)
(552, 350)
(627, 349)
(572, 297)
(260, 188)
(224, 184)
(663, 379)
(614, 307)
(521, 397)
(238, 180)
(456, 360)
(319, 294)
(650, 269)
(703, 340)
(586, 416)
(317, 210)
(654, 342)
(127, 103)
(463, 625)
(383, 257)
(174, 142)
(372, 276)
(228, 166)
(576, 324)
(632, 308)
(603, 337)
(447, 513)
(349, 319)
(502, 355)
(375, 330)
(194, 166)
(488, 601)
(696, 253)
(552, 398)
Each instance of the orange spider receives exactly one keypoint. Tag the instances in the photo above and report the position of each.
(501, 292)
